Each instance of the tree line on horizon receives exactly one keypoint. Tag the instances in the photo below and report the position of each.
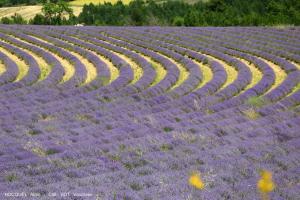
(169, 13)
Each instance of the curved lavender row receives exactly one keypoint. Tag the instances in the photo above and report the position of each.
(292, 100)
(11, 72)
(140, 84)
(38, 90)
(286, 87)
(195, 77)
(169, 79)
(259, 88)
(220, 80)
(144, 81)
(33, 72)
(259, 50)
(262, 81)
(80, 71)
(291, 81)
(47, 94)
(223, 70)
(100, 65)
(288, 84)
(89, 56)
(32, 90)
(172, 74)
(219, 74)
(153, 89)
(273, 95)
(195, 73)
(288, 102)
(242, 80)
(101, 68)
(56, 73)
(60, 100)
(223, 40)
(125, 73)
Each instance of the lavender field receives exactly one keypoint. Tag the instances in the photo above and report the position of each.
(130, 112)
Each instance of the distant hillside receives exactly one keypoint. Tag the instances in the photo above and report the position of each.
(29, 11)
(82, 2)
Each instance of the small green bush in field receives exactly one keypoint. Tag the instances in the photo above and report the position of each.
(256, 101)
(11, 177)
(168, 129)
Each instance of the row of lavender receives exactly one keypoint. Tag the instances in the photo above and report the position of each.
(141, 141)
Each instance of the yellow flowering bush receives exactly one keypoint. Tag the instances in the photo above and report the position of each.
(265, 184)
(195, 180)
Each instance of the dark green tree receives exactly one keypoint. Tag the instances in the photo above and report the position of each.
(15, 19)
(6, 20)
(55, 13)
(137, 12)
(191, 18)
(178, 21)
(38, 19)
(18, 19)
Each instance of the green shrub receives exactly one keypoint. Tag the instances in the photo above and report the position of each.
(168, 129)
(256, 101)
